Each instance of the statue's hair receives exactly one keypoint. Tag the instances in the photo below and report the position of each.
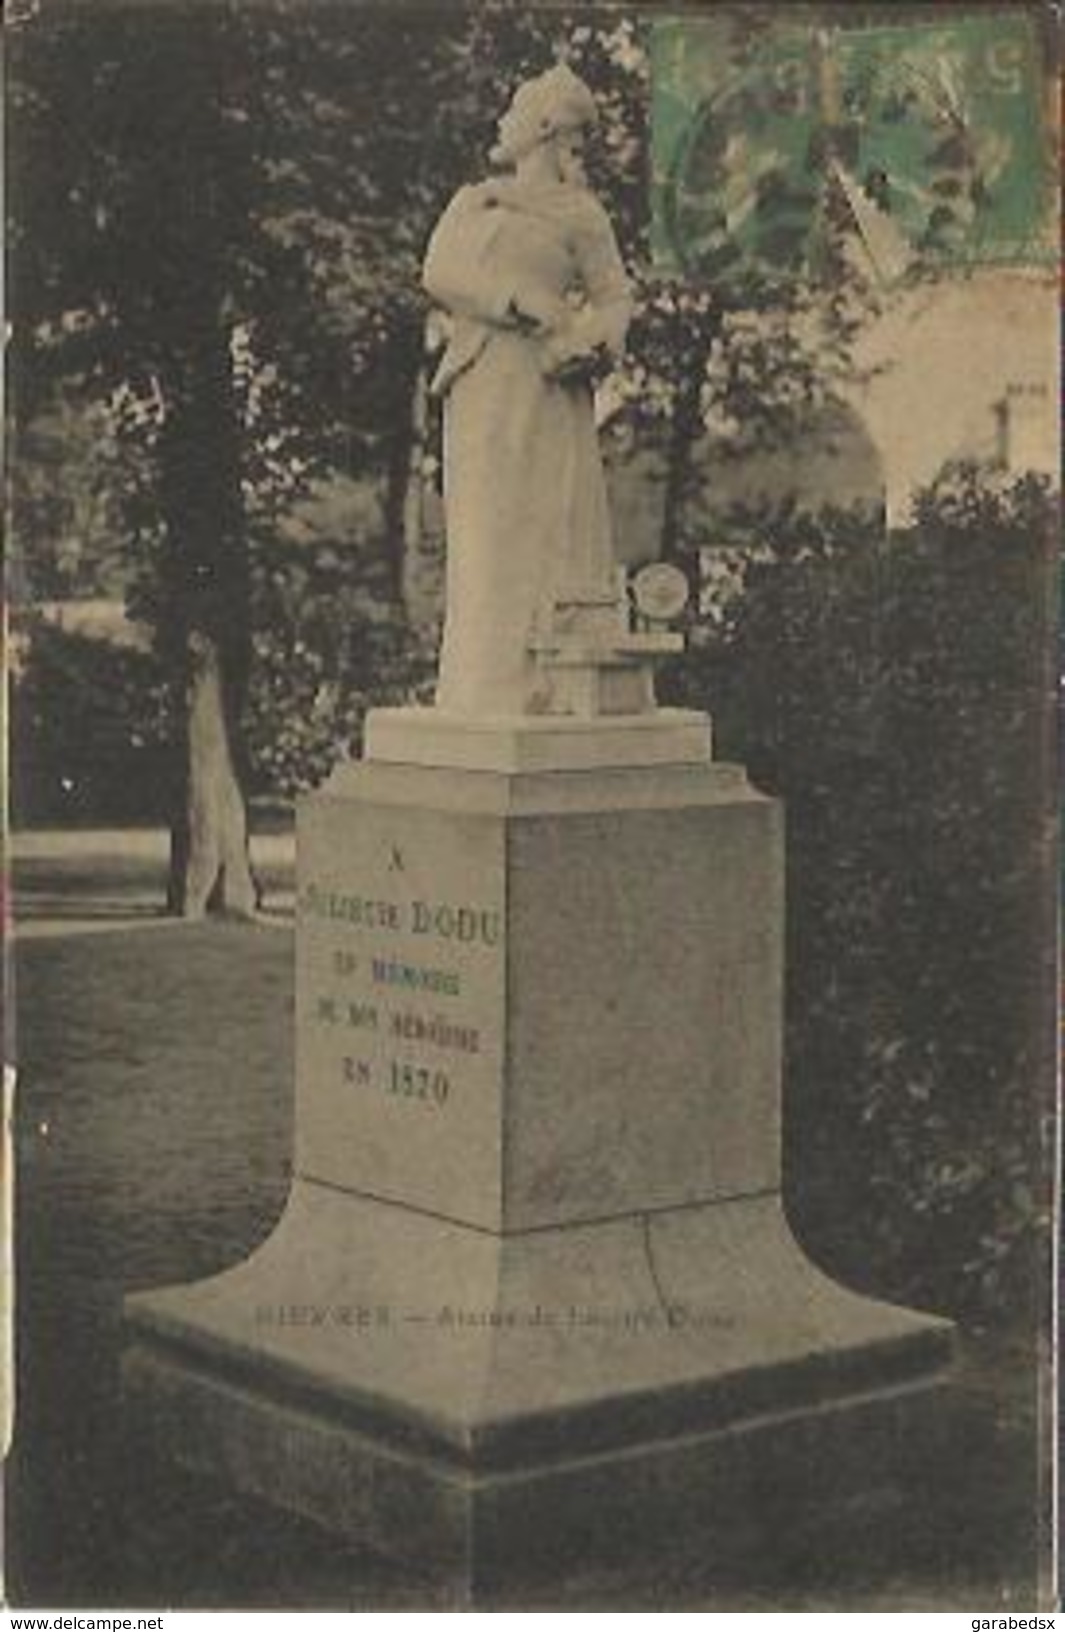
(540, 108)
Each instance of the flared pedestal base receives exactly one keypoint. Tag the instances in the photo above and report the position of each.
(495, 1409)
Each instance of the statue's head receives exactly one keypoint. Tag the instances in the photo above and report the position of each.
(556, 107)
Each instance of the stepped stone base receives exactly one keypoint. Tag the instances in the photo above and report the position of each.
(548, 742)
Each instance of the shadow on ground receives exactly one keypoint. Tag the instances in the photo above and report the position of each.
(153, 1129)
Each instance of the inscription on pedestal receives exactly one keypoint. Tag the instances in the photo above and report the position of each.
(401, 1015)
(400, 931)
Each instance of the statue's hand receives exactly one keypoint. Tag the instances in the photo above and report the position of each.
(576, 365)
(536, 312)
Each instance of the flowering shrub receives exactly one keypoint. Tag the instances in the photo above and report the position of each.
(88, 730)
(895, 693)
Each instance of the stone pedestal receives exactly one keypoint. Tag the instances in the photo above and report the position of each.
(534, 1295)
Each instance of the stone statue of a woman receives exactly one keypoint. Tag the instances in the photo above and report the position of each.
(528, 271)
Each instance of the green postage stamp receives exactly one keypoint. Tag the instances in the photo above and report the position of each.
(933, 133)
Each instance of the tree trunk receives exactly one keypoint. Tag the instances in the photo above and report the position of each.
(187, 184)
(413, 567)
(206, 635)
(209, 863)
(400, 451)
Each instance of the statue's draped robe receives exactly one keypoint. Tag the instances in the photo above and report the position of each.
(524, 493)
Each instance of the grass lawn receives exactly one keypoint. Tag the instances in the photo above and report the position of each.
(153, 1128)
(114, 878)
